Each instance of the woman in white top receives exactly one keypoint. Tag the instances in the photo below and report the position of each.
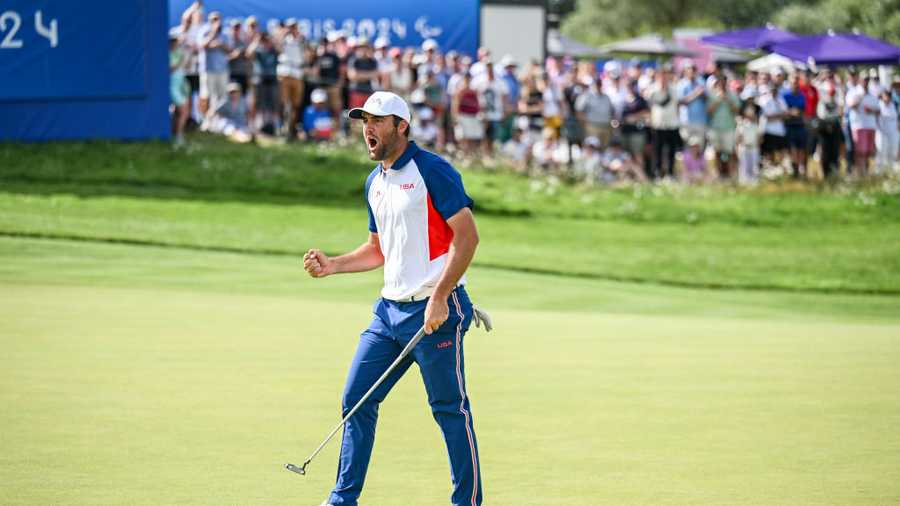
(399, 75)
(747, 135)
(888, 135)
(773, 109)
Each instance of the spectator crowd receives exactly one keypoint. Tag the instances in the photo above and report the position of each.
(617, 122)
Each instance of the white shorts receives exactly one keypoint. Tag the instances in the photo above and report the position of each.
(722, 140)
(688, 131)
(214, 85)
(469, 128)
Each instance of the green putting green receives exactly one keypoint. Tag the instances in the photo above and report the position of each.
(146, 376)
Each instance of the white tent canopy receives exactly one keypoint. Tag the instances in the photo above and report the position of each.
(774, 61)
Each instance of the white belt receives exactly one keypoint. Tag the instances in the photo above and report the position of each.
(422, 294)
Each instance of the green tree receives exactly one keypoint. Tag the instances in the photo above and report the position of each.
(598, 21)
(878, 18)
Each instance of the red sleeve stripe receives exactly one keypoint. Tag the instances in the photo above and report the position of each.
(440, 235)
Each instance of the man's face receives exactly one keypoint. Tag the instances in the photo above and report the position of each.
(381, 135)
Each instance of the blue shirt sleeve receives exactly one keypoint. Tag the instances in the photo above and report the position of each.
(444, 184)
(372, 226)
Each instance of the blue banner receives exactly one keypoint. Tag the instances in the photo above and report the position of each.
(64, 49)
(454, 24)
(96, 69)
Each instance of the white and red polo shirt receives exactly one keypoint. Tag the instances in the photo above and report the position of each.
(409, 205)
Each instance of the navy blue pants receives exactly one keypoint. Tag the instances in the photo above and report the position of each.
(440, 360)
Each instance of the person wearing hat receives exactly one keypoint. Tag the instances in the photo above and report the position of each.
(773, 109)
(693, 161)
(263, 54)
(240, 67)
(328, 71)
(189, 38)
(399, 75)
(232, 118)
(888, 136)
(692, 99)
(424, 129)
(863, 114)
(664, 123)
(467, 115)
(362, 72)
(178, 87)
(213, 65)
(318, 123)
(494, 96)
(829, 112)
(508, 68)
(382, 56)
(291, 59)
(421, 229)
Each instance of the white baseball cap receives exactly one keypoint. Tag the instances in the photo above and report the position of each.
(382, 103)
(318, 96)
(508, 61)
(429, 44)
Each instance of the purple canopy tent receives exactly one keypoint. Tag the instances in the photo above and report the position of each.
(760, 37)
(836, 49)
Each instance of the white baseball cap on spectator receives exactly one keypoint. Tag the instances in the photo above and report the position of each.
(522, 123)
(362, 40)
(592, 142)
(417, 96)
(381, 43)
(333, 35)
(233, 86)
(429, 45)
(318, 96)
(382, 103)
(508, 61)
(426, 114)
(234, 22)
(272, 25)
(290, 22)
(351, 41)
(612, 68)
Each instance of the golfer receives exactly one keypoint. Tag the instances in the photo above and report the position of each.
(422, 231)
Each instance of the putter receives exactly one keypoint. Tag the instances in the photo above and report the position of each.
(406, 350)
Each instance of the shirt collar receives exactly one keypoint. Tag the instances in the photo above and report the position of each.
(407, 155)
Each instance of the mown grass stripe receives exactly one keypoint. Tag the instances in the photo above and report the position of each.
(484, 265)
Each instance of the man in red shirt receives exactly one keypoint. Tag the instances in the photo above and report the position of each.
(811, 95)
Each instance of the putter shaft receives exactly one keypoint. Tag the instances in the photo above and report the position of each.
(406, 351)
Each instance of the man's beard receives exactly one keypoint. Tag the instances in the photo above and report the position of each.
(383, 148)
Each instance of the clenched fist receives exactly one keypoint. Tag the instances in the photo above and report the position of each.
(318, 264)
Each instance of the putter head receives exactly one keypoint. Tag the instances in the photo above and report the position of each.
(299, 470)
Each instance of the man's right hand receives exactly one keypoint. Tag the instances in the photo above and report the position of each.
(318, 264)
